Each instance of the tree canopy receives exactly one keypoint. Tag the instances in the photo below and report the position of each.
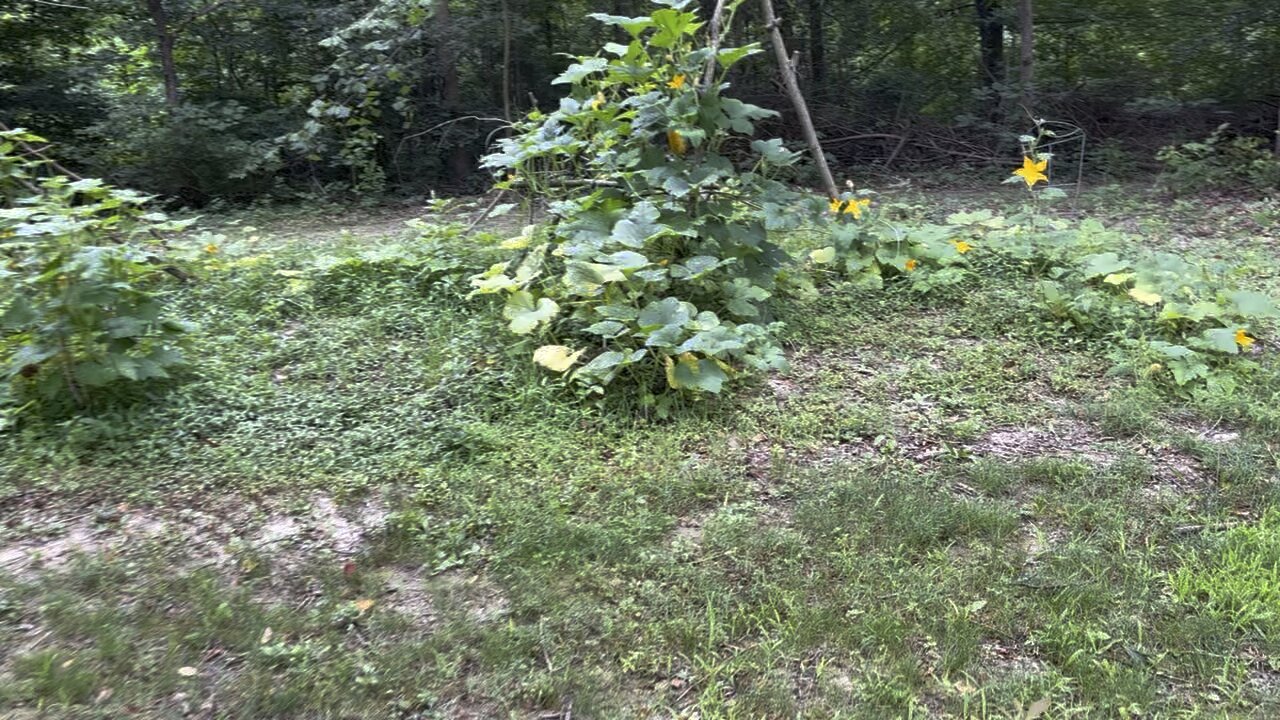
(204, 99)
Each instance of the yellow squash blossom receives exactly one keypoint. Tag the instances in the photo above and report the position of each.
(962, 247)
(211, 248)
(835, 205)
(1243, 339)
(677, 82)
(598, 101)
(855, 207)
(1032, 172)
(912, 264)
(676, 142)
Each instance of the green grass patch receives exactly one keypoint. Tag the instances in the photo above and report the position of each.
(947, 509)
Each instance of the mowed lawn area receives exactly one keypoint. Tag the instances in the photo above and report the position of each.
(363, 501)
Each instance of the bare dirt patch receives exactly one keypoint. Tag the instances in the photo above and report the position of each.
(35, 539)
(1176, 473)
(427, 600)
(1066, 439)
(841, 453)
(1003, 660)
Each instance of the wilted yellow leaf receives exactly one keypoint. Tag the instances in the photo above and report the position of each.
(1144, 296)
(1117, 278)
(557, 358)
(823, 256)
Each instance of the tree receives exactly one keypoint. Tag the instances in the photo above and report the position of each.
(164, 50)
(1026, 54)
(451, 87)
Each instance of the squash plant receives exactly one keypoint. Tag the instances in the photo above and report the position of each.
(76, 309)
(657, 263)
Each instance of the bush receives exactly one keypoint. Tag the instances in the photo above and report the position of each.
(193, 153)
(657, 264)
(76, 308)
(1222, 162)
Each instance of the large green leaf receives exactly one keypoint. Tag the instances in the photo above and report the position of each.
(526, 314)
(672, 26)
(775, 152)
(665, 312)
(633, 25)
(579, 71)
(692, 373)
(728, 57)
(1252, 304)
(1102, 264)
(712, 343)
(1222, 340)
(585, 278)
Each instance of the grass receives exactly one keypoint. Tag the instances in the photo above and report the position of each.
(363, 502)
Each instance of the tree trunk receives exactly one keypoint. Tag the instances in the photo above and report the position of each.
(991, 47)
(506, 60)
(1278, 128)
(165, 40)
(797, 99)
(991, 42)
(1026, 54)
(451, 90)
(817, 47)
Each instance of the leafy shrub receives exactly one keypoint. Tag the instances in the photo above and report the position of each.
(657, 262)
(76, 308)
(1184, 318)
(868, 247)
(193, 152)
(1221, 162)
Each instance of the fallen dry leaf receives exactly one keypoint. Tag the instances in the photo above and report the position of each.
(363, 605)
(187, 671)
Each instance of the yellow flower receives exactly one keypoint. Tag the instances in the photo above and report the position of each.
(598, 101)
(912, 264)
(676, 83)
(835, 205)
(855, 207)
(1243, 339)
(676, 142)
(962, 247)
(1031, 171)
(211, 248)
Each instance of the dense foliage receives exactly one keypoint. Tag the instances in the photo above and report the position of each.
(659, 252)
(206, 100)
(78, 309)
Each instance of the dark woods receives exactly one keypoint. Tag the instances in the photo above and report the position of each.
(206, 99)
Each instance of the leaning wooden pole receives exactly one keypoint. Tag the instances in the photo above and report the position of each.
(793, 91)
(717, 17)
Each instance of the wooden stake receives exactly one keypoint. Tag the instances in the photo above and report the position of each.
(716, 18)
(797, 99)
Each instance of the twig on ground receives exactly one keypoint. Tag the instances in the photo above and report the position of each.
(479, 219)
